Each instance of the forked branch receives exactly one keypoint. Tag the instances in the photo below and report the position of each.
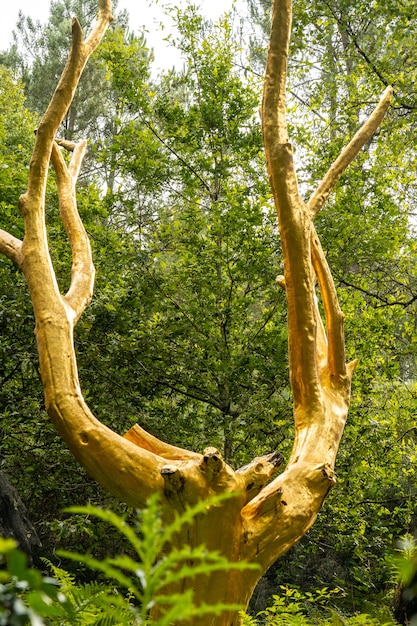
(320, 380)
(82, 273)
(61, 100)
(308, 344)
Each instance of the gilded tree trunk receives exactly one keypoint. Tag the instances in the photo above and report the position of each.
(267, 515)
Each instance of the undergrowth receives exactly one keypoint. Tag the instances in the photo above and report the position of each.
(130, 586)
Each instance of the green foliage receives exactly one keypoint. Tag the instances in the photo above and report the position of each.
(403, 559)
(193, 311)
(91, 603)
(26, 597)
(294, 608)
(38, 57)
(16, 133)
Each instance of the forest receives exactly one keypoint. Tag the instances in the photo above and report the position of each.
(187, 333)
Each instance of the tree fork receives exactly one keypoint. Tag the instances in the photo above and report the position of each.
(267, 515)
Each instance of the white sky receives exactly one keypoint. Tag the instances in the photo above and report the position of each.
(146, 13)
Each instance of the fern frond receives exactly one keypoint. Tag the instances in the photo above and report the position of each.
(101, 566)
(146, 578)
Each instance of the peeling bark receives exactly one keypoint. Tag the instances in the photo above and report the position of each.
(266, 516)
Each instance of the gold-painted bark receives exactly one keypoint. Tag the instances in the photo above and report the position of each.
(266, 516)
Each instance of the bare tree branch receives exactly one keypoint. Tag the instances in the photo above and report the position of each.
(294, 220)
(82, 273)
(11, 247)
(263, 519)
(146, 441)
(333, 314)
(347, 155)
(275, 83)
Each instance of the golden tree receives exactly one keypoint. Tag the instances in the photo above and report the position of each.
(267, 516)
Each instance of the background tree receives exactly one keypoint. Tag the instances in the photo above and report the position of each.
(38, 56)
(204, 305)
